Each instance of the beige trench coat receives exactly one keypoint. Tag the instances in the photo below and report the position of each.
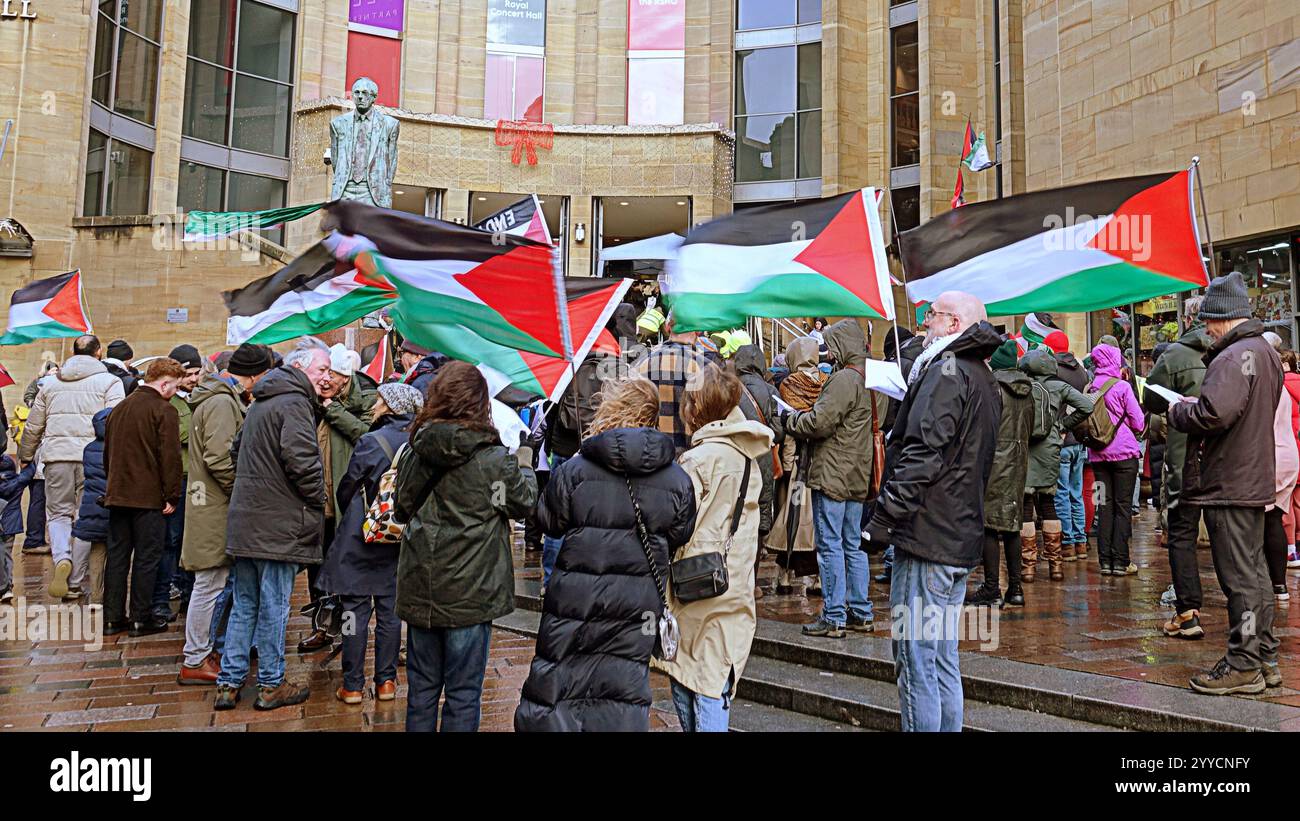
(716, 633)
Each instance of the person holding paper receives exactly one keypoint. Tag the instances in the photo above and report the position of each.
(1180, 369)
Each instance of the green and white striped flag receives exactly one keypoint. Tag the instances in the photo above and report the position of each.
(201, 226)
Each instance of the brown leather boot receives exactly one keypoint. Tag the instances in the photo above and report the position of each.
(1081, 551)
(1028, 552)
(1052, 549)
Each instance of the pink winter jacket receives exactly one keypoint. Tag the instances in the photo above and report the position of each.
(1286, 453)
(1122, 406)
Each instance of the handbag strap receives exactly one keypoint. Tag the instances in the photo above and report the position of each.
(740, 502)
(762, 417)
(644, 536)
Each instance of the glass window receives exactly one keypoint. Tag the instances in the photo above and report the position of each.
(764, 80)
(127, 188)
(207, 102)
(212, 31)
(762, 14)
(513, 87)
(137, 78)
(144, 17)
(101, 82)
(200, 187)
(1265, 265)
(810, 76)
(655, 91)
(261, 117)
(810, 11)
(810, 144)
(380, 59)
(249, 192)
(765, 148)
(93, 201)
(907, 207)
(906, 99)
(265, 41)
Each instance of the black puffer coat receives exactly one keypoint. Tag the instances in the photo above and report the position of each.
(940, 455)
(592, 669)
(277, 508)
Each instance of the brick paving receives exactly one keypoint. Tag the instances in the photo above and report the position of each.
(1089, 622)
(1101, 624)
(130, 684)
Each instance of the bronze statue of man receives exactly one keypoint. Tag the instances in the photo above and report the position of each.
(363, 149)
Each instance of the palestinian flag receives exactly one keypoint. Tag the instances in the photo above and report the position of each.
(202, 226)
(47, 309)
(523, 219)
(5, 379)
(1080, 248)
(816, 258)
(974, 151)
(317, 292)
(504, 287)
(958, 193)
(1033, 331)
(591, 302)
(380, 364)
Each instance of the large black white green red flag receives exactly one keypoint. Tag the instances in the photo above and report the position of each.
(521, 219)
(1079, 248)
(47, 309)
(821, 257)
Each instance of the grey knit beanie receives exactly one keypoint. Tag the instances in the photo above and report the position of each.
(1226, 298)
(402, 400)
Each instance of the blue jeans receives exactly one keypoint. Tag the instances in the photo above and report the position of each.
(699, 713)
(221, 613)
(453, 659)
(169, 571)
(844, 568)
(889, 559)
(550, 544)
(929, 677)
(259, 615)
(1069, 495)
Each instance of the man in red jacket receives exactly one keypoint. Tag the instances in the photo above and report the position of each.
(142, 460)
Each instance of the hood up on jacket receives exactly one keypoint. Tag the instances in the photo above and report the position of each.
(79, 367)
(212, 386)
(630, 451)
(980, 339)
(622, 323)
(1017, 383)
(284, 380)
(753, 438)
(449, 444)
(847, 343)
(802, 355)
(1107, 361)
(749, 360)
(1039, 363)
(1196, 338)
(100, 423)
(1067, 360)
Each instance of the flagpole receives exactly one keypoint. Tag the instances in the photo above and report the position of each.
(893, 220)
(1205, 215)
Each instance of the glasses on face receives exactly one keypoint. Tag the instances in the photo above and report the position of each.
(931, 313)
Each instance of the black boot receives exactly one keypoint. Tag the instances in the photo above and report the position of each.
(1015, 596)
(985, 596)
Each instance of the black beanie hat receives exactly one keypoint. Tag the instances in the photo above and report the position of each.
(249, 360)
(119, 349)
(187, 355)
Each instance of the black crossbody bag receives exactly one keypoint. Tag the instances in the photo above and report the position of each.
(705, 576)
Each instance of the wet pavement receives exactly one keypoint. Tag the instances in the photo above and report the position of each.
(1089, 622)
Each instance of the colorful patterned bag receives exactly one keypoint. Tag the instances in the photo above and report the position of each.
(379, 526)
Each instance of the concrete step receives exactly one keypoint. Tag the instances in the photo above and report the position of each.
(746, 716)
(873, 704)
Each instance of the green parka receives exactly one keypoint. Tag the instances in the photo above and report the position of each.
(1052, 396)
(217, 417)
(348, 417)
(839, 425)
(1181, 368)
(1004, 495)
(455, 569)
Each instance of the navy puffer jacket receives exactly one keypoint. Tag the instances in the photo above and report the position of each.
(92, 520)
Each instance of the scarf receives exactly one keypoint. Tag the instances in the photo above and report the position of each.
(931, 351)
(800, 389)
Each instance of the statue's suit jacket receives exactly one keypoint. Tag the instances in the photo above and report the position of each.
(381, 160)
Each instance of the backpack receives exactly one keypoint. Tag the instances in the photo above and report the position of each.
(1043, 421)
(1097, 431)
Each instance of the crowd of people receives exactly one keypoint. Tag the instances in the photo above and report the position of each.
(652, 489)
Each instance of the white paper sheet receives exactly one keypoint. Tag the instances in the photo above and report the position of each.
(1169, 396)
(886, 377)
